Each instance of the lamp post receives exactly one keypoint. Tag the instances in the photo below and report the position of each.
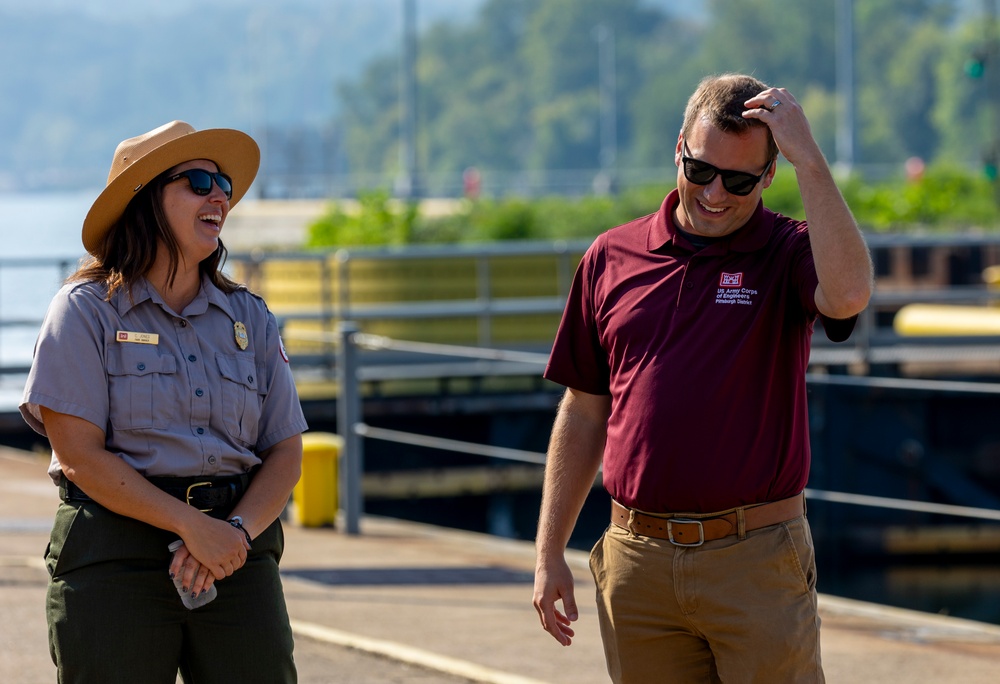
(607, 89)
(407, 183)
(846, 137)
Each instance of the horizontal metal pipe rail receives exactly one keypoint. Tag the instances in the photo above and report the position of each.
(506, 454)
(351, 375)
(871, 344)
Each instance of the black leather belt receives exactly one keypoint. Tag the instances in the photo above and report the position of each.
(204, 493)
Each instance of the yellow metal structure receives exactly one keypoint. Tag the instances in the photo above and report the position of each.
(943, 320)
(315, 494)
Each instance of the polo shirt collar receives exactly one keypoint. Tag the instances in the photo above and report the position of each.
(752, 236)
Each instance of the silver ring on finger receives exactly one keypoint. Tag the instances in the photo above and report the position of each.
(773, 105)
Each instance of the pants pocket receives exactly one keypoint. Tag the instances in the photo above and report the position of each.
(801, 553)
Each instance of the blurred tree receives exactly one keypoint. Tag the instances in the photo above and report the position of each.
(474, 104)
(964, 108)
(560, 45)
(370, 115)
(898, 43)
(779, 41)
(518, 88)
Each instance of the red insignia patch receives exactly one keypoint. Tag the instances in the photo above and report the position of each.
(731, 280)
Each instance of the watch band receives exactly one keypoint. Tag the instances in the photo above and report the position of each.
(237, 522)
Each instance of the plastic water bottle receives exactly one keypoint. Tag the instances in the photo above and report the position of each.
(199, 600)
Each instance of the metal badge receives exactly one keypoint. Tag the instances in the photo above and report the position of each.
(241, 335)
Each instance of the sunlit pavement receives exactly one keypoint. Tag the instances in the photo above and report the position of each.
(409, 603)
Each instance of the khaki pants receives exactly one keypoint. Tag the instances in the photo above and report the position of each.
(114, 615)
(730, 611)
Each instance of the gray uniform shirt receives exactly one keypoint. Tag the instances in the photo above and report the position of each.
(175, 394)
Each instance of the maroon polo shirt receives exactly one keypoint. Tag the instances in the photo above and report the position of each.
(704, 354)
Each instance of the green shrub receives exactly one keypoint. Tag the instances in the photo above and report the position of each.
(378, 221)
(944, 198)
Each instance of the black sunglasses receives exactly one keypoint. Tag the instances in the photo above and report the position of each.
(201, 181)
(736, 182)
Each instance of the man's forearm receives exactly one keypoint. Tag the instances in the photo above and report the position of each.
(843, 262)
(572, 463)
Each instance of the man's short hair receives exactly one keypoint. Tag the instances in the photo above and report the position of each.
(719, 99)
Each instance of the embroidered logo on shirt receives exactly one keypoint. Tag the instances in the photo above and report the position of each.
(137, 337)
(731, 280)
(731, 290)
(281, 346)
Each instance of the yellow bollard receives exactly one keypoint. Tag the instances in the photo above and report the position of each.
(315, 494)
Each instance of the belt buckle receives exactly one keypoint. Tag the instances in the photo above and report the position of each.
(685, 521)
(187, 495)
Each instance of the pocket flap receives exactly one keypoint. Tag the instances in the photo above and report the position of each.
(138, 359)
(238, 368)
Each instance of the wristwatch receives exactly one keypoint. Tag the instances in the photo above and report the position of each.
(237, 522)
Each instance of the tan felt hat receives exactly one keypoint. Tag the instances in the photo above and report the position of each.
(140, 159)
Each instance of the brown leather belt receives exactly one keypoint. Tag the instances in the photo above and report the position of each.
(686, 529)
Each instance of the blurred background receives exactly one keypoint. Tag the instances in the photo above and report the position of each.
(397, 133)
(536, 96)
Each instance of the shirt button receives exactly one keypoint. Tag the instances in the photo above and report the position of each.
(141, 366)
(183, 324)
(200, 431)
(211, 459)
(199, 392)
(192, 358)
(250, 379)
(689, 285)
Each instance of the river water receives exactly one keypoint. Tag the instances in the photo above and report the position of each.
(33, 226)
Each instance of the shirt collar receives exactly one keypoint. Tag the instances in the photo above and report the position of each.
(209, 294)
(753, 235)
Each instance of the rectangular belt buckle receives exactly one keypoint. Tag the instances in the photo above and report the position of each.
(187, 495)
(685, 521)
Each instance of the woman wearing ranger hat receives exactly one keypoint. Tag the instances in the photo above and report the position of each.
(165, 393)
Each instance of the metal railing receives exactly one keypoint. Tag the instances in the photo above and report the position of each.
(353, 429)
(27, 283)
(336, 297)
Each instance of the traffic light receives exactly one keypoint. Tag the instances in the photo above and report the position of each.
(990, 160)
(975, 66)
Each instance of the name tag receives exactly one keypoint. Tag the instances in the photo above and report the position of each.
(138, 337)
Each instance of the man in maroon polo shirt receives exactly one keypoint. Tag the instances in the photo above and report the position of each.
(684, 347)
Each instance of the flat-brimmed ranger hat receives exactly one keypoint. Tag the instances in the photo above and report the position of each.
(140, 159)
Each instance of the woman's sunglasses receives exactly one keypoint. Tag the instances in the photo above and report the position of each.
(201, 181)
(736, 182)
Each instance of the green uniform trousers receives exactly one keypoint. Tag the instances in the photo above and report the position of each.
(115, 617)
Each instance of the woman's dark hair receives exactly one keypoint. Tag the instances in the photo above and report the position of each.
(128, 250)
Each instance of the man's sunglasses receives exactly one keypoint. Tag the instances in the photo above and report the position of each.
(735, 182)
(201, 181)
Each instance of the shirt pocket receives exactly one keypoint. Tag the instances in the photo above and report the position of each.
(138, 376)
(240, 398)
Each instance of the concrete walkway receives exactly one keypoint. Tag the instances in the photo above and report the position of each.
(410, 603)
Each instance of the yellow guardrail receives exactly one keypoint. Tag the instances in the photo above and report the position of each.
(480, 298)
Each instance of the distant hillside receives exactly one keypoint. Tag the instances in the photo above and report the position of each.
(79, 77)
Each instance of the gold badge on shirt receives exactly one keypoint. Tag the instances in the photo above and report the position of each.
(241, 335)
